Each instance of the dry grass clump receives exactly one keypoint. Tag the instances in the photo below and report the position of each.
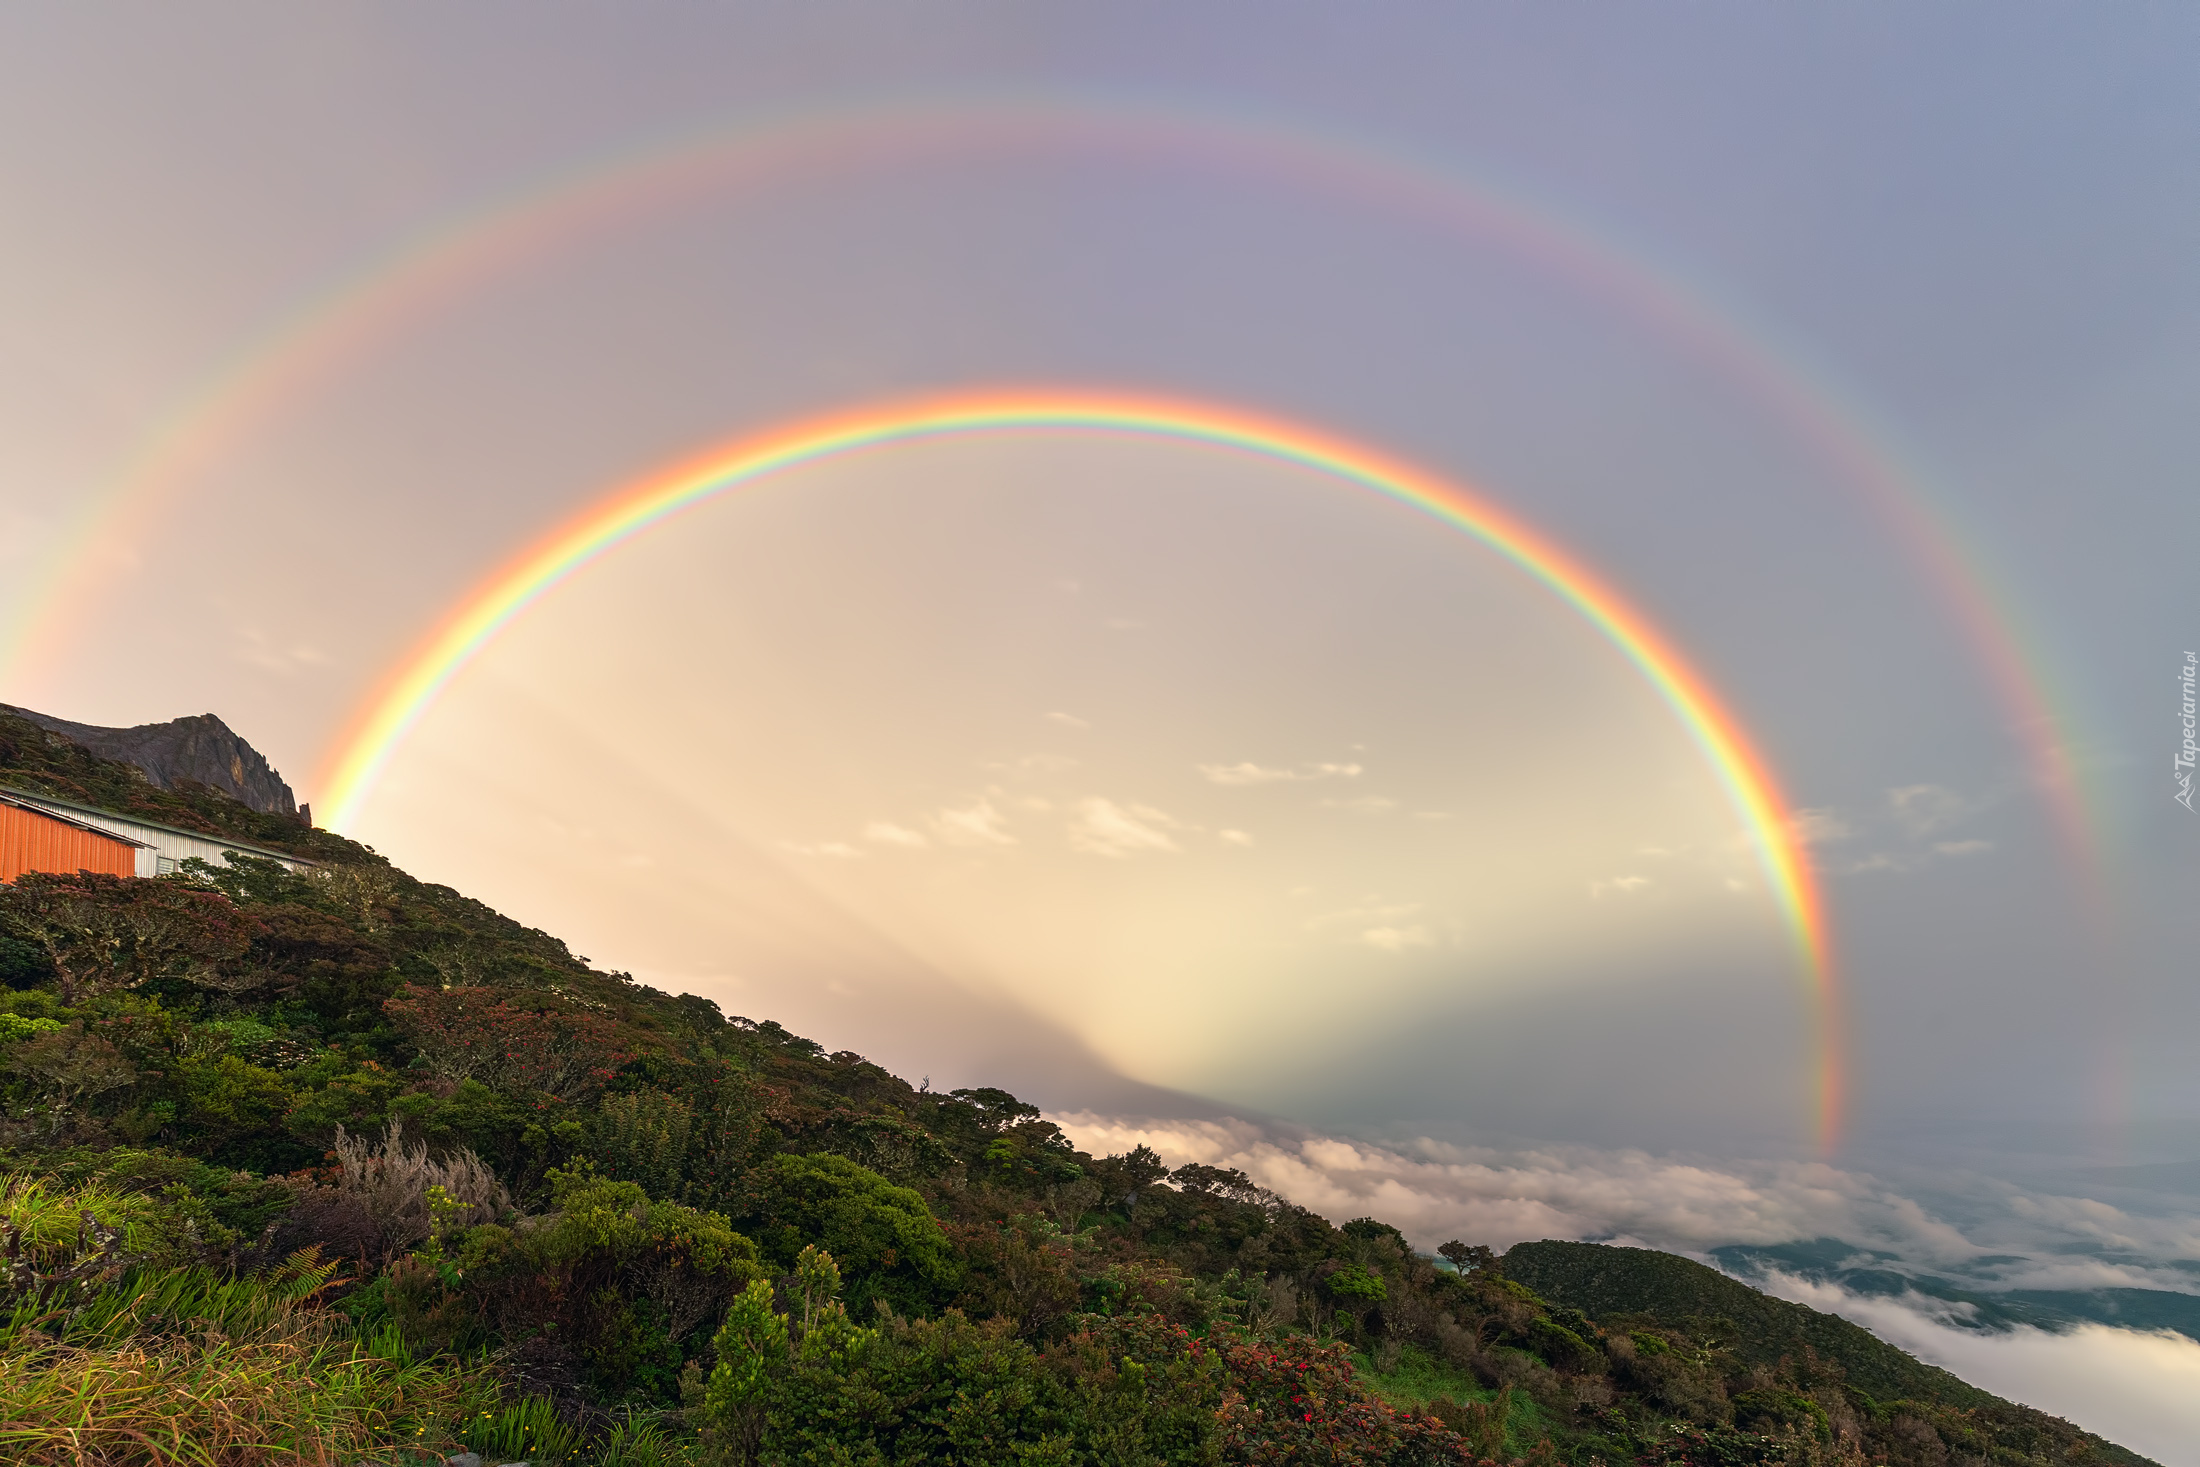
(294, 1396)
(392, 1180)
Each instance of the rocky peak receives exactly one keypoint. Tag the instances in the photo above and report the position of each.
(200, 749)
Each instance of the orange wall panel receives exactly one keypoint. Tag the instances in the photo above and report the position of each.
(30, 841)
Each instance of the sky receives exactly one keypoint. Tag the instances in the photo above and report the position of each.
(1198, 792)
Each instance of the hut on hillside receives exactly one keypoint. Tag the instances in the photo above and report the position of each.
(43, 833)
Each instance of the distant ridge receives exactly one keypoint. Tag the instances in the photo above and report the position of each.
(200, 749)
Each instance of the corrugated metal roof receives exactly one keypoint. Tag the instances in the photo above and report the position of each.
(53, 804)
(35, 804)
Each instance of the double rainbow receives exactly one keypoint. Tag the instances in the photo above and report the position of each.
(398, 705)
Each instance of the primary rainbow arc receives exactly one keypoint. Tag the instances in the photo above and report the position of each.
(364, 751)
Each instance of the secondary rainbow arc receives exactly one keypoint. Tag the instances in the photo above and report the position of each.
(467, 249)
(365, 749)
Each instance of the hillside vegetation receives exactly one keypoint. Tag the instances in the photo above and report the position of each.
(342, 1166)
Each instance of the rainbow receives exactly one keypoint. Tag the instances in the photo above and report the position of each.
(365, 749)
(473, 249)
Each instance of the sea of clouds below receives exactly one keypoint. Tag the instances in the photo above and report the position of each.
(2138, 1388)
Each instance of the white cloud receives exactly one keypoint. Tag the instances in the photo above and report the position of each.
(2140, 1389)
(886, 833)
(1104, 828)
(1396, 939)
(1817, 827)
(1922, 809)
(1436, 1191)
(1624, 885)
(1234, 837)
(1250, 773)
(1067, 720)
(972, 825)
(1877, 861)
(1962, 847)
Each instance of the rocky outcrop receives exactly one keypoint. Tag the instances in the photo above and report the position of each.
(201, 750)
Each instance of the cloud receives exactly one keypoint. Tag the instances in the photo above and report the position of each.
(2140, 1389)
(1067, 720)
(1396, 939)
(2137, 1388)
(1436, 1191)
(256, 649)
(1371, 909)
(886, 833)
(1104, 828)
(1026, 766)
(2010, 1238)
(1818, 827)
(1365, 805)
(1624, 885)
(1962, 847)
(1249, 773)
(839, 850)
(1234, 838)
(1922, 809)
(972, 825)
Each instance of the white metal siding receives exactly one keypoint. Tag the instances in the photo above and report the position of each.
(163, 851)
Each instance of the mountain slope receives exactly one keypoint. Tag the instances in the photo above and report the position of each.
(538, 1209)
(200, 750)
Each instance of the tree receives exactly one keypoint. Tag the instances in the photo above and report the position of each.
(104, 934)
(481, 1034)
(1477, 1259)
(71, 1066)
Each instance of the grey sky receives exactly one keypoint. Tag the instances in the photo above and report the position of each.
(1974, 226)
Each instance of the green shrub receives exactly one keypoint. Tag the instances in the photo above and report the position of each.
(889, 1244)
(15, 1026)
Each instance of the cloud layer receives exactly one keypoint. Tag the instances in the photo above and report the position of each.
(2139, 1388)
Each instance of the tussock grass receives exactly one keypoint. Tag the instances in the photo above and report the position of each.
(48, 1217)
(182, 1367)
(295, 1395)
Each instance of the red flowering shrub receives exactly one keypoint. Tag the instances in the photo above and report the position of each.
(1297, 1401)
(107, 933)
(481, 1034)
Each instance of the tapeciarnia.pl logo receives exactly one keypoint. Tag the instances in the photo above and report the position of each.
(2190, 750)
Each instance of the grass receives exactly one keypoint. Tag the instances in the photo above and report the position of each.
(48, 1218)
(180, 1367)
(1419, 1378)
(295, 1394)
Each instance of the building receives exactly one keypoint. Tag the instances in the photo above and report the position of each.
(43, 833)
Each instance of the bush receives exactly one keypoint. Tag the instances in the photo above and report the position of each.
(889, 1244)
(489, 1035)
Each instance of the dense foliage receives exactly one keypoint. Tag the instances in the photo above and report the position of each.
(341, 1165)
